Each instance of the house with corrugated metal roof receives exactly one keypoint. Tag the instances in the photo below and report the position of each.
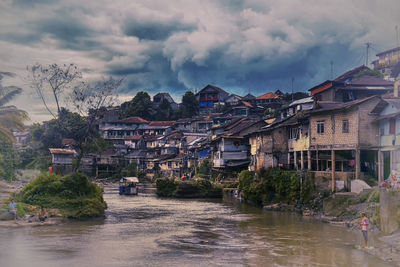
(350, 86)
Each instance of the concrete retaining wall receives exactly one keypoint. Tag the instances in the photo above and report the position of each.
(389, 210)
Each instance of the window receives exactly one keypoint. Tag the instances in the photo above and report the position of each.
(382, 131)
(293, 133)
(345, 126)
(392, 126)
(320, 127)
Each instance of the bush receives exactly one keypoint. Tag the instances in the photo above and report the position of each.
(275, 185)
(74, 195)
(197, 188)
(165, 187)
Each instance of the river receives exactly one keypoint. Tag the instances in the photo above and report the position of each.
(148, 231)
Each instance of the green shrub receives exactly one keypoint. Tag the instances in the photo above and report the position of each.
(165, 187)
(196, 188)
(373, 196)
(275, 185)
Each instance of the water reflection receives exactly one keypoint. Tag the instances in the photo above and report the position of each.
(148, 231)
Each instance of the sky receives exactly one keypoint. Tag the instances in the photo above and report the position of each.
(173, 46)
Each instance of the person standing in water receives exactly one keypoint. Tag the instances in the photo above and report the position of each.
(12, 207)
(364, 228)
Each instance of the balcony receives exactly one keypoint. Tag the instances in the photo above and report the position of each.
(233, 148)
(235, 155)
(390, 140)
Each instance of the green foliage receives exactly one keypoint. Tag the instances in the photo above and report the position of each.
(68, 125)
(295, 96)
(10, 116)
(164, 111)
(373, 196)
(204, 170)
(165, 187)
(131, 170)
(9, 161)
(74, 195)
(189, 106)
(197, 188)
(140, 106)
(275, 185)
(368, 72)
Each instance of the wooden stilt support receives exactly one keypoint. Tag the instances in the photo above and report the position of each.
(301, 160)
(380, 166)
(358, 164)
(333, 170)
(309, 160)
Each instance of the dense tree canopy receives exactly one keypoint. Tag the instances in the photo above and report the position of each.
(140, 106)
(164, 111)
(189, 106)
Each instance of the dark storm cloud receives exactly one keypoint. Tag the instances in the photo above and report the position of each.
(177, 45)
(154, 30)
(72, 33)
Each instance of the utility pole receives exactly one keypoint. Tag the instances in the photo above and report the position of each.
(368, 44)
(397, 35)
(292, 88)
(331, 69)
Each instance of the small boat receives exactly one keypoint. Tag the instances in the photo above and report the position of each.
(128, 186)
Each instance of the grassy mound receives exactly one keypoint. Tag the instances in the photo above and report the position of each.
(196, 188)
(74, 195)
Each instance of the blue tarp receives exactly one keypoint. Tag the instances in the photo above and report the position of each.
(204, 153)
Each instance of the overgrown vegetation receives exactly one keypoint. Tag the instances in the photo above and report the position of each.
(204, 170)
(74, 195)
(276, 186)
(196, 188)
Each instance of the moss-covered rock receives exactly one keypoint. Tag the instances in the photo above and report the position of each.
(74, 195)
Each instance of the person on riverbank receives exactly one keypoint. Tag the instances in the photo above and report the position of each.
(364, 228)
(42, 215)
(12, 207)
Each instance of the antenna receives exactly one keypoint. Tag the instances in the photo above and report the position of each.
(331, 69)
(292, 88)
(397, 35)
(368, 44)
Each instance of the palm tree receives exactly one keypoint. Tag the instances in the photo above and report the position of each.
(10, 116)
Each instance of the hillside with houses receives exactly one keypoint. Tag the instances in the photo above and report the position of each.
(342, 129)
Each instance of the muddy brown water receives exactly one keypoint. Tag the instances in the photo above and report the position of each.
(148, 231)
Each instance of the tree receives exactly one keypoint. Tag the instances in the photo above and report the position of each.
(140, 106)
(85, 99)
(53, 80)
(296, 96)
(369, 72)
(189, 106)
(10, 116)
(164, 111)
(90, 99)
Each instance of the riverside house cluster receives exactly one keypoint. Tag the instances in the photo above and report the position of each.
(346, 128)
